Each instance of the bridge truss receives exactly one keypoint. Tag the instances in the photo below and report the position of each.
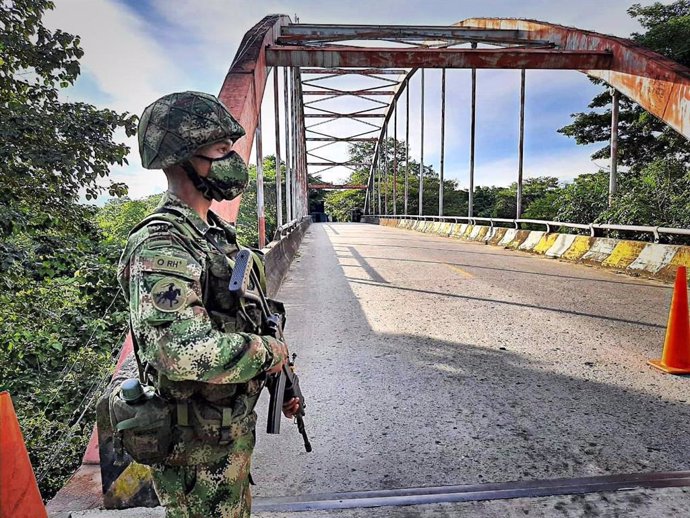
(343, 84)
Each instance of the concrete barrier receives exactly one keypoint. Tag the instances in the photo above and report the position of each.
(496, 235)
(279, 256)
(508, 237)
(518, 238)
(545, 243)
(633, 257)
(560, 245)
(600, 249)
(531, 241)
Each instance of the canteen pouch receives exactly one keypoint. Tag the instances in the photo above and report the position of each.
(143, 428)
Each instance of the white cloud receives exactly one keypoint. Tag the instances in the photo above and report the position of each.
(186, 44)
(125, 62)
(564, 166)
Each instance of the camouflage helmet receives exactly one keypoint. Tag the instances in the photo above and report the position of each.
(172, 128)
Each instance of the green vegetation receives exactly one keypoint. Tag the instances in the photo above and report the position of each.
(60, 318)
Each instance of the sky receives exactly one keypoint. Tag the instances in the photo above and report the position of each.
(139, 50)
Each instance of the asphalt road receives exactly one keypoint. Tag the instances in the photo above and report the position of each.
(429, 361)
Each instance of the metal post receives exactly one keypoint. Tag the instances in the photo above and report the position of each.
(378, 191)
(303, 180)
(288, 163)
(369, 195)
(407, 145)
(613, 179)
(279, 181)
(443, 139)
(473, 120)
(385, 173)
(521, 144)
(260, 185)
(296, 202)
(421, 159)
(293, 124)
(395, 159)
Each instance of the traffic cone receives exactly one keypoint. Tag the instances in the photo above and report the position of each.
(676, 356)
(19, 495)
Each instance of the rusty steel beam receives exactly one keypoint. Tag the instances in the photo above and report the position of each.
(243, 90)
(329, 187)
(288, 159)
(341, 139)
(336, 93)
(421, 151)
(361, 72)
(344, 115)
(279, 182)
(334, 163)
(292, 34)
(473, 127)
(439, 58)
(659, 85)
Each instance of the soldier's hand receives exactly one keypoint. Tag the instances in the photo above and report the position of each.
(290, 408)
(279, 349)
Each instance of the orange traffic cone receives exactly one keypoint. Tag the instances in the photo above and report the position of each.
(19, 495)
(676, 356)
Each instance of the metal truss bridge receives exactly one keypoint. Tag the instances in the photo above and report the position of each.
(328, 69)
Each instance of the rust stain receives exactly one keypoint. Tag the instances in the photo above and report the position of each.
(278, 55)
(659, 85)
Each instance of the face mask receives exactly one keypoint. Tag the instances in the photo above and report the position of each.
(227, 177)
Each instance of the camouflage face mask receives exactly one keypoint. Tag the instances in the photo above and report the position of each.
(227, 178)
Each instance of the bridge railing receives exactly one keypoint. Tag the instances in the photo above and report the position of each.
(654, 231)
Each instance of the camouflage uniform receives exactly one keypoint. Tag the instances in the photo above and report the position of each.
(204, 355)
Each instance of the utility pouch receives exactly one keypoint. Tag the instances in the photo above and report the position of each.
(141, 421)
(213, 423)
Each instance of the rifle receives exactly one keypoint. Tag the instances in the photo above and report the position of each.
(244, 284)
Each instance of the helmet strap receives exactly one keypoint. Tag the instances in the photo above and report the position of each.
(199, 183)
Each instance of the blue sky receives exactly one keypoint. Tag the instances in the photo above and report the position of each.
(138, 50)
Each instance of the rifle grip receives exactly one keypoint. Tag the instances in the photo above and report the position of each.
(241, 272)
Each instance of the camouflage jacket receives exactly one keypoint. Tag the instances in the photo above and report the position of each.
(187, 325)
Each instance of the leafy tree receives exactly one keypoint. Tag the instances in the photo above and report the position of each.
(484, 200)
(541, 197)
(52, 150)
(339, 204)
(60, 315)
(119, 216)
(585, 199)
(454, 198)
(643, 138)
(659, 195)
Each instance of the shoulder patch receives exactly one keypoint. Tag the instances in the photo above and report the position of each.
(169, 294)
(166, 263)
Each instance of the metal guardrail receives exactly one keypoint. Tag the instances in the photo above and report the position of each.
(591, 227)
(285, 230)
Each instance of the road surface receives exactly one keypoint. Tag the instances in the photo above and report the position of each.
(429, 361)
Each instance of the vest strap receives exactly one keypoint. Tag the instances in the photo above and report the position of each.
(182, 413)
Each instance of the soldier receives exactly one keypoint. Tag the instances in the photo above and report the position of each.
(196, 343)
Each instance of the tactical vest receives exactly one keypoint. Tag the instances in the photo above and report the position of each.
(206, 417)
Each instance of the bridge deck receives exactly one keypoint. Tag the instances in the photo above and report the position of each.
(429, 361)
